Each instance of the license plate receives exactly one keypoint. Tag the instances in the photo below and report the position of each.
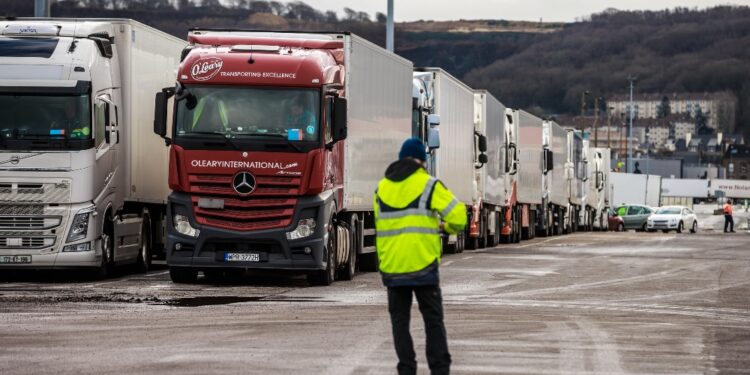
(242, 257)
(13, 259)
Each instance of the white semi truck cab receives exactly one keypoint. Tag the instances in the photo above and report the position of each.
(69, 142)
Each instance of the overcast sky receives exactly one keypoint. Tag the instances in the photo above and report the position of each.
(531, 10)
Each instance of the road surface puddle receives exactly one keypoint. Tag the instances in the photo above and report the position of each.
(228, 300)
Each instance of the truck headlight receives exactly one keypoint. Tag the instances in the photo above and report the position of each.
(79, 228)
(86, 246)
(182, 226)
(305, 228)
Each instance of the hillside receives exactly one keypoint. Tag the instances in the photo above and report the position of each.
(541, 67)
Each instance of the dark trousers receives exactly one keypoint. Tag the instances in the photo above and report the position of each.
(431, 306)
(728, 222)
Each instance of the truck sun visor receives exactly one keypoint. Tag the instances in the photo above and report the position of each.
(27, 47)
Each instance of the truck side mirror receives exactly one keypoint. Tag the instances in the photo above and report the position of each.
(433, 138)
(339, 130)
(160, 112)
(433, 119)
(482, 143)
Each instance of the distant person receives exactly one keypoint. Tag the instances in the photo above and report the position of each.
(728, 219)
(637, 168)
(409, 207)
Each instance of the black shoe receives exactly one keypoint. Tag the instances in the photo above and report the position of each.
(731, 231)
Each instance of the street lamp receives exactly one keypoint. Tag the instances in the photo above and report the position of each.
(632, 79)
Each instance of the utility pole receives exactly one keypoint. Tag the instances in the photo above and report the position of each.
(609, 125)
(42, 8)
(389, 28)
(630, 123)
(596, 120)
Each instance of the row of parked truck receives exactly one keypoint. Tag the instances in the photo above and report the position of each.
(269, 148)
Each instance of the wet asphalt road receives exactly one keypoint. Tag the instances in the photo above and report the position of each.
(604, 303)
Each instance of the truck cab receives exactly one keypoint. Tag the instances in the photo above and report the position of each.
(65, 172)
(59, 101)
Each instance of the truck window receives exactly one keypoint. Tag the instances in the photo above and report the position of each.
(238, 112)
(45, 117)
(329, 122)
(27, 47)
(100, 122)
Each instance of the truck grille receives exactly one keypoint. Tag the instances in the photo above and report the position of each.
(26, 242)
(271, 205)
(29, 222)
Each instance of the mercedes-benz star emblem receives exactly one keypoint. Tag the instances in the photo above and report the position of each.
(244, 183)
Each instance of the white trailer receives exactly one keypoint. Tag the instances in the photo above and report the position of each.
(454, 161)
(629, 188)
(83, 184)
(489, 184)
(555, 186)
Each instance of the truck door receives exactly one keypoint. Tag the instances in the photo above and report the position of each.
(103, 173)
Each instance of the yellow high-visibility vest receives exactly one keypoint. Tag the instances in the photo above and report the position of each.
(407, 222)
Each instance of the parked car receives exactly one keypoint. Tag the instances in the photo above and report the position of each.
(616, 223)
(634, 216)
(676, 218)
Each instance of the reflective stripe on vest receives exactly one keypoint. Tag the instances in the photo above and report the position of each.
(421, 210)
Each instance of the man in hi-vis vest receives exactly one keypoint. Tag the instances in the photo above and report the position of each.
(409, 206)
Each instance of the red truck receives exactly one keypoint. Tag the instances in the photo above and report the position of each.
(277, 142)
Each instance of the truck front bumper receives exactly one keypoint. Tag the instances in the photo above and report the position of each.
(274, 251)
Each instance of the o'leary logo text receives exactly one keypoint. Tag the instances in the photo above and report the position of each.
(206, 68)
(242, 164)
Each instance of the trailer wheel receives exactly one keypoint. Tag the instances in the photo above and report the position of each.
(328, 275)
(143, 263)
(517, 224)
(183, 275)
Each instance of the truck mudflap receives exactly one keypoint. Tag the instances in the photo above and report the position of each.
(263, 249)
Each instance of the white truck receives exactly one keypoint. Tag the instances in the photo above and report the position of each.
(451, 104)
(82, 184)
(489, 173)
(597, 197)
(529, 182)
(556, 188)
(577, 172)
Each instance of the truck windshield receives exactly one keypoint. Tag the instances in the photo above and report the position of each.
(58, 121)
(241, 112)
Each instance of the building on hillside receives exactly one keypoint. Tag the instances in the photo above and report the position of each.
(718, 108)
(737, 162)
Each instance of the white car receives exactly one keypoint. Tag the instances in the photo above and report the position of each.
(677, 218)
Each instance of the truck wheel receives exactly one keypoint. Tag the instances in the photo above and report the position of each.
(183, 275)
(143, 263)
(350, 268)
(108, 251)
(482, 238)
(328, 275)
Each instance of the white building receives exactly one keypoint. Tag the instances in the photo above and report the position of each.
(718, 107)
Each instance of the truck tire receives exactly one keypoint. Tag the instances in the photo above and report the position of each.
(143, 263)
(108, 251)
(328, 275)
(350, 267)
(183, 275)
